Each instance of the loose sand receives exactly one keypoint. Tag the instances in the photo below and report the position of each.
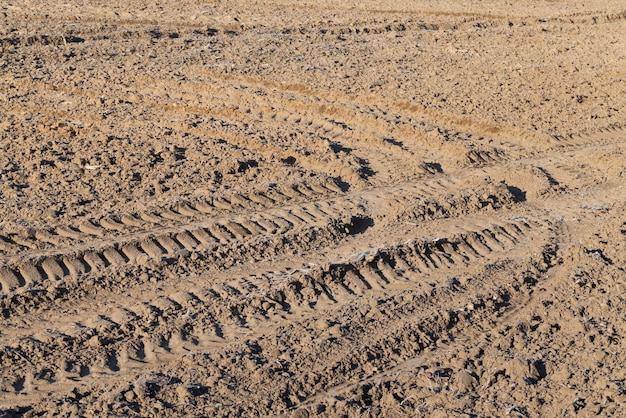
(312, 208)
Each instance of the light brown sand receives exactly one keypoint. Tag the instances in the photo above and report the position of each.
(303, 208)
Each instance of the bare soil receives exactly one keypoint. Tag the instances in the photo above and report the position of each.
(312, 208)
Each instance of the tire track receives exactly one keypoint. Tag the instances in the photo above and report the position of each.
(162, 244)
(335, 124)
(200, 219)
(437, 118)
(180, 213)
(19, 272)
(344, 137)
(224, 27)
(170, 236)
(230, 126)
(217, 313)
(352, 125)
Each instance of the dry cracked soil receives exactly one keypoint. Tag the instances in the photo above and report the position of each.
(312, 208)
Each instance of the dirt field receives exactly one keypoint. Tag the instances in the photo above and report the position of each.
(312, 208)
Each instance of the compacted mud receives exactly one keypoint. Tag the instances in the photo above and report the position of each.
(312, 208)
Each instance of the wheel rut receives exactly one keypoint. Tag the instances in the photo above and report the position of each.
(226, 209)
